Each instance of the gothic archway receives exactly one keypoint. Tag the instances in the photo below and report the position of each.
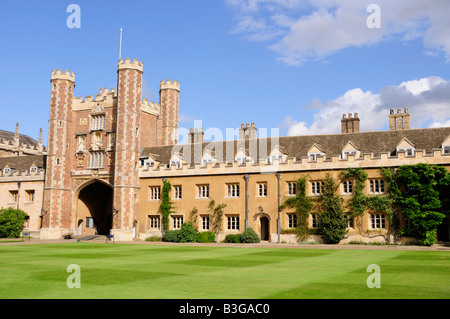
(94, 207)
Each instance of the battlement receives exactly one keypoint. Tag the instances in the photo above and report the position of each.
(128, 64)
(150, 107)
(59, 75)
(168, 84)
(107, 98)
(22, 175)
(303, 164)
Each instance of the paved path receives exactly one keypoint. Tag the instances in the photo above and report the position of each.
(436, 247)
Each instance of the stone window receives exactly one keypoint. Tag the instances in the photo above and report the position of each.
(314, 222)
(154, 222)
(292, 188)
(97, 160)
(292, 220)
(177, 192)
(377, 221)
(98, 122)
(177, 222)
(233, 190)
(316, 188)
(30, 196)
(347, 187)
(13, 196)
(232, 222)
(205, 222)
(202, 191)
(155, 193)
(376, 186)
(262, 189)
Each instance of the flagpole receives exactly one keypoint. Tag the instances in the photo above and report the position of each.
(120, 46)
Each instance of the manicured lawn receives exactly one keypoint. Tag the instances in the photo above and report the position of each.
(196, 272)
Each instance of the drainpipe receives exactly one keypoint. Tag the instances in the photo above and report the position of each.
(246, 176)
(279, 195)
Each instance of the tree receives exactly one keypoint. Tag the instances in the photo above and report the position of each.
(332, 223)
(11, 222)
(422, 192)
(303, 206)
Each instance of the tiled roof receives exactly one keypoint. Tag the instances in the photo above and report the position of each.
(298, 146)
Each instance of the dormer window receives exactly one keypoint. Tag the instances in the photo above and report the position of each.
(175, 163)
(406, 146)
(349, 149)
(408, 151)
(206, 160)
(315, 151)
(276, 154)
(34, 169)
(241, 157)
(346, 153)
(313, 156)
(6, 170)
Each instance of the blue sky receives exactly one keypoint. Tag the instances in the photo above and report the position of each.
(296, 65)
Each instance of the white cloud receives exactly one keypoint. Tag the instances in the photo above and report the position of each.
(314, 29)
(427, 99)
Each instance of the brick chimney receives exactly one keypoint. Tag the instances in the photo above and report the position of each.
(196, 136)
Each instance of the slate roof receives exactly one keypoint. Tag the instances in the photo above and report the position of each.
(8, 138)
(21, 163)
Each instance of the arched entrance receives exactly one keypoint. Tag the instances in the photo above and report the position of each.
(94, 208)
(264, 228)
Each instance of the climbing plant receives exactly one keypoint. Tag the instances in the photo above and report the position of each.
(422, 193)
(216, 215)
(303, 206)
(166, 206)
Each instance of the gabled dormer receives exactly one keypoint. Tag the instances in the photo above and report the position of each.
(350, 149)
(208, 158)
(446, 145)
(7, 170)
(34, 169)
(242, 157)
(406, 146)
(176, 161)
(314, 151)
(277, 154)
(148, 161)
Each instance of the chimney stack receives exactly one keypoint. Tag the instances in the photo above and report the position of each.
(399, 120)
(196, 136)
(350, 124)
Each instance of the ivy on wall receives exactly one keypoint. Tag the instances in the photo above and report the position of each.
(166, 206)
(303, 206)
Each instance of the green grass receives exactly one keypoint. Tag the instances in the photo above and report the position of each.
(196, 272)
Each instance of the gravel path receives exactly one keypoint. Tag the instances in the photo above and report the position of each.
(436, 247)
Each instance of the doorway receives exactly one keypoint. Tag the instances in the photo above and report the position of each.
(95, 207)
(264, 228)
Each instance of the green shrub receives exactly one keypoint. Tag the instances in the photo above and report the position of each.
(250, 236)
(187, 234)
(153, 238)
(206, 237)
(233, 238)
(171, 236)
(11, 222)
